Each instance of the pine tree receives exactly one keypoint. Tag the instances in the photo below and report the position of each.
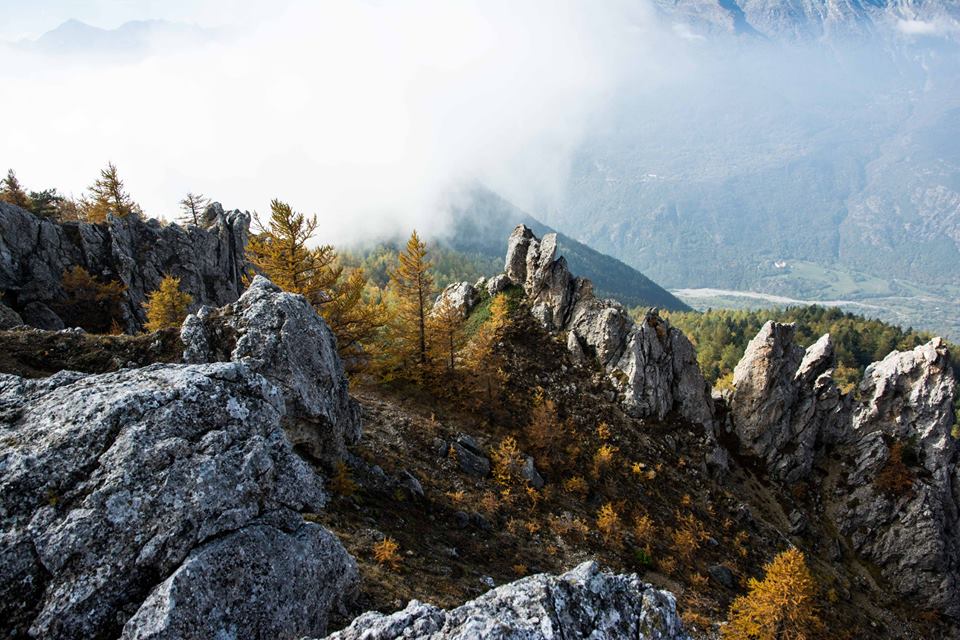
(412, 284)
(481, 359)
(782, 606)
(46, 203)
(109, 197)
(192, 207)
(167, 306)
(12, 193)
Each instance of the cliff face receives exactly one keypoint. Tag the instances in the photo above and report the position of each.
(34, 253)
(896, 495)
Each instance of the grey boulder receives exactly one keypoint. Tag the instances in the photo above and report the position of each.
(460, 296)
(280, 336)
(116, 488)
(583, 603)
(9, 318)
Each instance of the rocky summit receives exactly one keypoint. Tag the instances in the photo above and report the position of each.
(280, 336)
(654, 365)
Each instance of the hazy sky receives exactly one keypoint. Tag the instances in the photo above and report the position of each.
(371, 114)
(30, 18)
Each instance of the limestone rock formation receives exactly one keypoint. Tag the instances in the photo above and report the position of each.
(653, 364)
(582, 603)
(168, 496)
(786, 402)
(904, 516)
(461, 296)
(280, 336)
(34, 253)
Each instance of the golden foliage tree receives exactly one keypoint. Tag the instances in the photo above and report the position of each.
(445, 326)
(93, 305)
(480, 356)
(12, 193)
(167, 306)
(282, 251)
(355, 314)
(545, 431)
(782, 606)
(404, 352)
(108, 196)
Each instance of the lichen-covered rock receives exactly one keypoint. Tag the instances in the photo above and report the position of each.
(34, 253)
(280, 336)
(294, 572)
(111, 484)
(785, 401)
(461, 296)
(582, 603)
(905, 517)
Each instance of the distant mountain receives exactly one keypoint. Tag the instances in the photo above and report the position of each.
(814, 18)
(130, 39)
(482, 226)
(802, 148)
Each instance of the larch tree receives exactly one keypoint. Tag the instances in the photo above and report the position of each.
(281, 250)
(412, 283)
(95, 306)
(446, 326)
(480, 357)
(108, 197)
(782, 606)
(167, 306)
(192, 207)
(355, 316)
(12, 193)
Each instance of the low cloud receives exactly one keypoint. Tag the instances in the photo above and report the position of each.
(367, 114)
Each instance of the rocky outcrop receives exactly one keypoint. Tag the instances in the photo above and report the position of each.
(653, 364)
(280, 336)
(9, 318)
(785, 401)
(34, 253)
(901, 506)
(461, 296)
(582, 603)
(163, 502)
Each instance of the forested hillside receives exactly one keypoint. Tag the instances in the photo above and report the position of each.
(473, 247)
